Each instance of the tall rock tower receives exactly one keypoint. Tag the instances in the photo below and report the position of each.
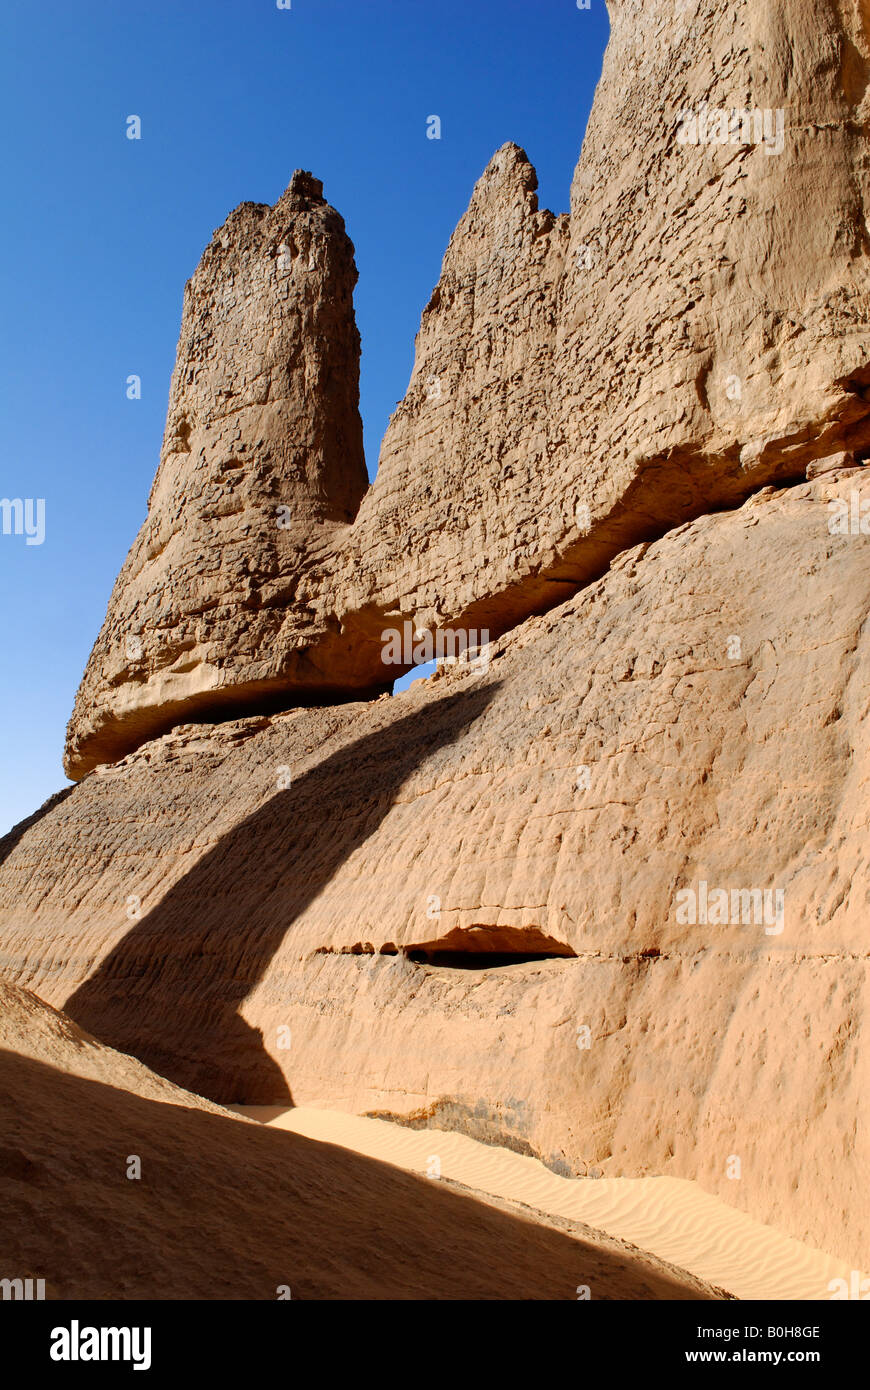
(261, 470)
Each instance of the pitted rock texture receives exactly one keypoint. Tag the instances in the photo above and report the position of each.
(261, 469)
(696, 328)
(238, 905)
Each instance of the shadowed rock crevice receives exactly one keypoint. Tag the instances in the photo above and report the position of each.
(487, 948)
(120, 736)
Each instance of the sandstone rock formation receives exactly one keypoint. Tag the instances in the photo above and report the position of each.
(261, 469)
(601, 899)
(695, 329)
(256, 909)
(307, 1217)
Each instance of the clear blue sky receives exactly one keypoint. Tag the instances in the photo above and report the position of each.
(101, 232)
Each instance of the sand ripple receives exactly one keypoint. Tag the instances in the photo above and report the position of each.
(669, 1217)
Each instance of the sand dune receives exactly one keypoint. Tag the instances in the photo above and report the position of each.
(224, 1208)
(668, 1217)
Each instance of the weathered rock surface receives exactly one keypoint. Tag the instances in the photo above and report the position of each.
(307, 1216)
(261, 469)
(240, 905)
(696, 328)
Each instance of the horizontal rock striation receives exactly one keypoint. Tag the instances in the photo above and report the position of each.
(240, 905)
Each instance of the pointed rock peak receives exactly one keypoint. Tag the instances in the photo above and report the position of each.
(262, 459)
(303, 184)
(510, 167)
(511, 160)
(509, 180)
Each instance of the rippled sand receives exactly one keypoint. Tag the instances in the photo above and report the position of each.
(669, 1217)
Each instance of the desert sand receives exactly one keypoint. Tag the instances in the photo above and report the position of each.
(225, 1208)
(668, 1217)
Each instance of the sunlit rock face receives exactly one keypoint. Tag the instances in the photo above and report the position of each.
(604, 901)
(602, 896)
(694, 329)
(261, 470)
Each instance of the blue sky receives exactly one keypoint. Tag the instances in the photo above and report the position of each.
(101, 233)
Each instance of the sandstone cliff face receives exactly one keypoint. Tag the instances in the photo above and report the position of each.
(695, 329)
(261, 468)
(277, 908)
